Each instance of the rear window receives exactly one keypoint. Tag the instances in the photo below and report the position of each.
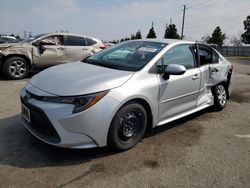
(75, 41)
(205, 55)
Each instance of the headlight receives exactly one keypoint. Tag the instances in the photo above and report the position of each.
(81, 103)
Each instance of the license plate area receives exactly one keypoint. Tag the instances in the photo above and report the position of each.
(25, 113)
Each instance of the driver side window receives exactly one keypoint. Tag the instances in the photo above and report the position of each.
(52, 40)
(181, 55)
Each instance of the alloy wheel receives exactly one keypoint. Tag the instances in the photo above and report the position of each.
(17, 68)
(222, 96)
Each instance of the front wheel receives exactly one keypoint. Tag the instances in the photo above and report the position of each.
(220, 97)
(15, 68)
(128, 127)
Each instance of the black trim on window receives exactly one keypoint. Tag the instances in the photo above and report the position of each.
(206, 48)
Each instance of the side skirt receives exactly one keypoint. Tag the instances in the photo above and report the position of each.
(203, 106)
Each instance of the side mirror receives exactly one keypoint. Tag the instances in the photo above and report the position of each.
(173, 69)
(40, 46)
(37, 43)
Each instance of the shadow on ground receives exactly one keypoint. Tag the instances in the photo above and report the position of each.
(19, 148)
(3, 78)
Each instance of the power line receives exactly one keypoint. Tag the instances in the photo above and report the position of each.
(223, 15)
(218, 21)
(198, 4)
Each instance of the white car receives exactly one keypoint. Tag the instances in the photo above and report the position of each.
(112, 97)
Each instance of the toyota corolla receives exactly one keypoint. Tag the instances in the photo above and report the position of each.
(113, 97)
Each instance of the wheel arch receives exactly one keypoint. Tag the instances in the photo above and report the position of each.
(225, 83)
(18, 55)
(147, 107)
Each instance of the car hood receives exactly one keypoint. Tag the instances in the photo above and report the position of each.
(7, 45)
(79, 78)
(21, 47)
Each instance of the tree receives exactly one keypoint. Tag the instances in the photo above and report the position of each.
(235, 40)
(171, 32)
(217, 37)
(126, 39)
(138, 35)
(245, 37)
(133, 37)
(151, 33)
(204, 39)
(18, 37)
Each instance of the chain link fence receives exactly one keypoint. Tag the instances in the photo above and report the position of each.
(235, 51)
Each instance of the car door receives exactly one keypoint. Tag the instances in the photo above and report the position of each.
(213, 71)
(205, 61)
(76, 48)
(53, 52)
(179, 93)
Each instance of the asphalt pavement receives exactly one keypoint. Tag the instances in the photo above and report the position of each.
(206, 149)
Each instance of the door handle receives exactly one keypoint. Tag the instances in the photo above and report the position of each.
(215, 70)
(84, 49)
(195, 77)
(60, 48)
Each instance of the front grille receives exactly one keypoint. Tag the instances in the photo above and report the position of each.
(40, 124)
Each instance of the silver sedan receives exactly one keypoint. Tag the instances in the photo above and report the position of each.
(113, 97)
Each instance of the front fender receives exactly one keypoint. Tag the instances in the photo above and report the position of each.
(1, 59)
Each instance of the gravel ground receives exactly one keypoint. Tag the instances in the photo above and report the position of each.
(206, 149)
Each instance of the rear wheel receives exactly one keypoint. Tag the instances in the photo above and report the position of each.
(128, 127)
(15, 68)
(220, 97)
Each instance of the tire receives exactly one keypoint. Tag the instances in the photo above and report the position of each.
(220, 97)
(15, 68)
(128, 127)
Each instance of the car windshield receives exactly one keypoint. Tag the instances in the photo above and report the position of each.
(33, 38)
(128, 56)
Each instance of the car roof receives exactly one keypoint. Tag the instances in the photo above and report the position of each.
(72, 34)
(167, 41)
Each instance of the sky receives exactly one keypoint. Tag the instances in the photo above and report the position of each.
(115, 19)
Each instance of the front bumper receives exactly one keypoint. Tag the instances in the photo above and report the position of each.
(55, 124)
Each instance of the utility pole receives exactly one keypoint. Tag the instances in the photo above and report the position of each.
(183, 20)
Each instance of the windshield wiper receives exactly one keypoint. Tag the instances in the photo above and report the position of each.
(101, 64)
(106, 65)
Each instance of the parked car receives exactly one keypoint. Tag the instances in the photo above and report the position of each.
(7, 39)
(110, 101)
(45, 50)
(108, 44)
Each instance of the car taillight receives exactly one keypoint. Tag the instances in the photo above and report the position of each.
(102, 46)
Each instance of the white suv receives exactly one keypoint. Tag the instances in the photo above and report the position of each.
(44, 50)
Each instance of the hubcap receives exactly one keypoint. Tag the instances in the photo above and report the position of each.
(221, 93)
(17, 68)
